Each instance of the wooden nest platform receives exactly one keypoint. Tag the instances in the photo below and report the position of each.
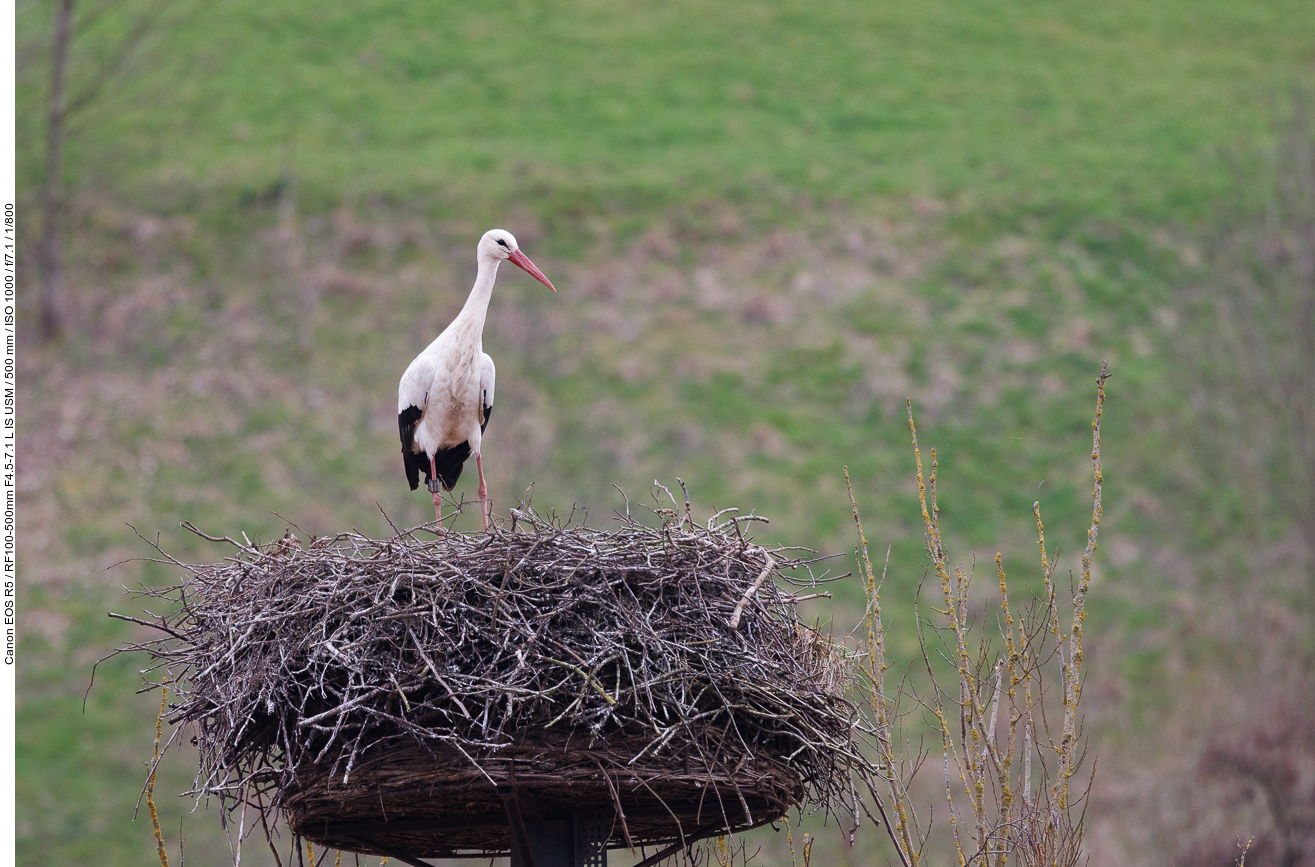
(419, 803)
(405, 696)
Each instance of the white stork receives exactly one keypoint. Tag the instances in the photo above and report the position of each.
(446, 394)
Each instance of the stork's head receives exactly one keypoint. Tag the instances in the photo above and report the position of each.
(501, 244)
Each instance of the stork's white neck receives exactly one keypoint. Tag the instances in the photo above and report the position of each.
(470, 321)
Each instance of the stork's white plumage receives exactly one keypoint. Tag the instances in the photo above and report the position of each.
(446, 394)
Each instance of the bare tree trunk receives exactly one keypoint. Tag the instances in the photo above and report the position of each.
(48, 253)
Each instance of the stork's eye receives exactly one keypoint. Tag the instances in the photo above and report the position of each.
(503, 243)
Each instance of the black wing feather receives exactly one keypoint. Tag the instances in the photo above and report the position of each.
(415, 463)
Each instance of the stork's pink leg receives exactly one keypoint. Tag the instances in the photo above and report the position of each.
(483, 492)
(436, 492)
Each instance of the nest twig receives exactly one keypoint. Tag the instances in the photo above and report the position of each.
(359, 685)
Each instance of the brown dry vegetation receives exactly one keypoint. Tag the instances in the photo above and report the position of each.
(1232, 760)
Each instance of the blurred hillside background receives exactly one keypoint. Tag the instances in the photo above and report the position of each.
(769, 224)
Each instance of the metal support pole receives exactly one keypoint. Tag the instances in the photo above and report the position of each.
(580, 841)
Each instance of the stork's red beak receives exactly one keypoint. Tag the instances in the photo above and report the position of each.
(520, 260)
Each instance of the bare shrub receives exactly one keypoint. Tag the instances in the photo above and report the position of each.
(1258, 763)
(1007, 764)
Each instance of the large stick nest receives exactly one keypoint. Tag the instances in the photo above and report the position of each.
(389, 696)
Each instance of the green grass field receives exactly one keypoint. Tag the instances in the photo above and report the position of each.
(579, 110)
(769, 225)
